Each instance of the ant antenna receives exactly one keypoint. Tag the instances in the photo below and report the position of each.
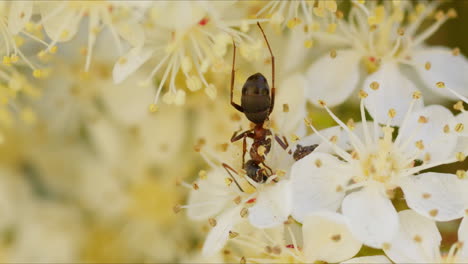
(272, 68)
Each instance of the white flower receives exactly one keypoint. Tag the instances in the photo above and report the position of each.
(362, 176)
(323, 237)
(379, 39)
(188, 39)
(62, 19)
(418, 241)
(294, 13)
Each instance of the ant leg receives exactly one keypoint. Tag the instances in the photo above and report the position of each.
(272, 69)
(235, 137)
(233, 74)
(228, 169)
(284, 144)
(266, 166)
(244, 150)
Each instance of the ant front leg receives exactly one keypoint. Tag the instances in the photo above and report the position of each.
(228, 169)
(233, 75)
(244, 136)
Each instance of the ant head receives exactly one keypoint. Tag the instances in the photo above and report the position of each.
(256, 84)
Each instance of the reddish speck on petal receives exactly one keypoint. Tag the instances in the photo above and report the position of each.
(252, 200)
(203, 21)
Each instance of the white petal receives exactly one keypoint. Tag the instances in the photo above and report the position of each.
(333, 79)
(317, 188)
(63, 25)
(463, 237)
(368, 260)
(445, 67)
(438, 144)
(20, 14)
(327, 238)
(211, 197)
(219, 235)
(336, 131)
(132, 32)
(435, 195)
(462, 144)
(129, 63)
(272, 207)
(372, 217)
(291, 94)
(395, 91)
(418, 240)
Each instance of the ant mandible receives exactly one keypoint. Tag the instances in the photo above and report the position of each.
(257, 106)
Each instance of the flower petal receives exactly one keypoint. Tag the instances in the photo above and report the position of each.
(129, 63)
(372, 217)
(64, 24)
(272, 207)
(368, 260)
(20, 14)
(219, 235)
(445, 67)
(418, 240)
(333, 79)
(436, 143)
(210, 198)
(435, 195)
(290, 105)
(394, 91)
(317, 183)
(327, 238)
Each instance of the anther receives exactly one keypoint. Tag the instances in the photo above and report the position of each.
(422, 120)
(374, 85)
(244, 212)
(195, 186)
(456, 51)
(419, 144)
(392, 113)
(233, 234)
(285, 108)
(336, 238)
(460, 156)
(212, 222)
(362, 94)
(228, 181)
(440, 85)
(351, 124)
(433, 212)
(333, 53)
(417, 239)
(452, 13)
(427, 66)
(426, 195)
(459, 127)
(237, 200)
(318, 163)
(446, 129)
(153, 108)
(417, 95)
(461, 174)
(176, 208)
(202, 174)
(459, 106)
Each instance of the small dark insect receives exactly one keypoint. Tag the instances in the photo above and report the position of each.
(257, 106)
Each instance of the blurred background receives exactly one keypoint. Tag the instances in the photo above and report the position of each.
(88, 174)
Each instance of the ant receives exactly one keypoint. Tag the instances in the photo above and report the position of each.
(257, 106)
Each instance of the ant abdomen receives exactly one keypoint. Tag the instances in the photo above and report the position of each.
(255, 99)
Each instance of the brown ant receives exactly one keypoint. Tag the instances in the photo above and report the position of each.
(257, 106)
